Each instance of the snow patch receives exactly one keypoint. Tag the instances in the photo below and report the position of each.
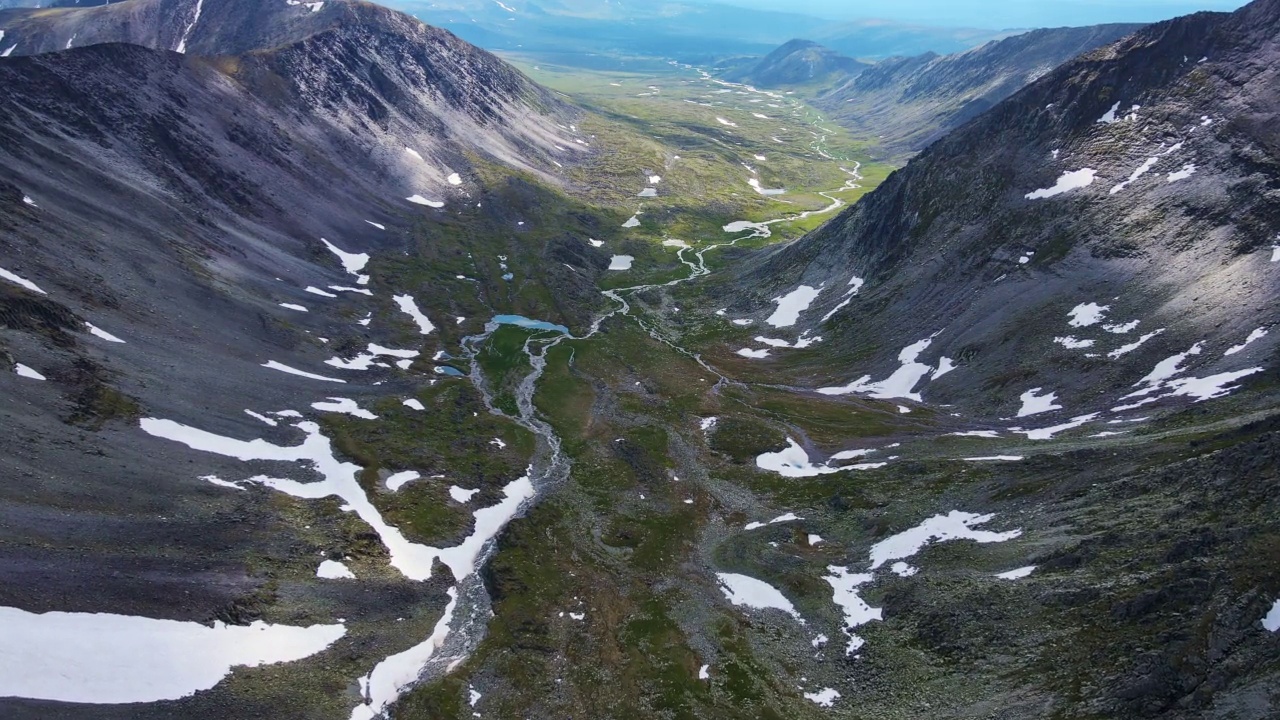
(334, 570)
(956, 525)
(1072, 343)
(261, 418)
(844, 587)
(823, 698)
(899, 385)
(409, 306)
(395, 481)
(1272, 621)
(419, 200)
(1121, 328)
(1126, 349)
(462, 495)
(1072, 180)
(20, 281)
(1033, 403)
(1049, 432)
(103, 658)
(1087, 314)
(102, 334)
(788, 517)
(27, 372)
(273, 365)
(392, 676)
(345, 406)
(749, 592)
(1253, 337)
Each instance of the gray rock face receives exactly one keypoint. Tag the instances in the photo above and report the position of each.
(910, 102)
(1139, 177)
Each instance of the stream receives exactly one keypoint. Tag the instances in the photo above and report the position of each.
(550, 466)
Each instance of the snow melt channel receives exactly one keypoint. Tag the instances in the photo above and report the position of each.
(413, 560)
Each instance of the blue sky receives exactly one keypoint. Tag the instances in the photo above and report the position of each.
(997, 14)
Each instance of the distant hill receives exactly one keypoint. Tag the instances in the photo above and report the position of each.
(872, 38)
(909, 102)
(799, 62)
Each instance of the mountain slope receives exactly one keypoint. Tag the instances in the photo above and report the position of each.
(407, 83)
(908, 102)
(188, 238)
(798, 62)
(1066, 309)
(1136, 181)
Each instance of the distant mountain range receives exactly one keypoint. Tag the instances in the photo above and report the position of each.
(607, 34)
(908, 102)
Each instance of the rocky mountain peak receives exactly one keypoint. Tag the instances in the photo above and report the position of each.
(799, 62)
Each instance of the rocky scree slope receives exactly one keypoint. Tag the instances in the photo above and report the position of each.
(1116, 213)
(909, 102)
(179, 234)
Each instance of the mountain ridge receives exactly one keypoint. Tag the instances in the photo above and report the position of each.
(928, 226)
(914, 101)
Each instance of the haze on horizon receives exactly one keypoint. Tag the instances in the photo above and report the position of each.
(995, 14)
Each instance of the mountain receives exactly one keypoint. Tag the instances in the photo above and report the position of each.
(1127, 177)
(187, 236)
(908, 102)
(346, 66)
(874, 38)
(798, 62)
(1091, 255)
